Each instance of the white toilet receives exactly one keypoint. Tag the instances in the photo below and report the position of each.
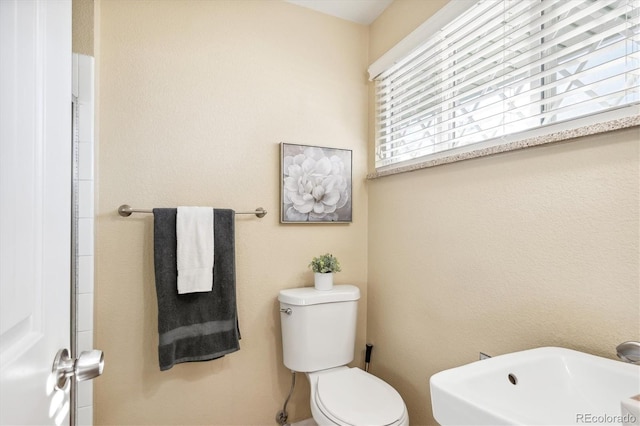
(318, 338)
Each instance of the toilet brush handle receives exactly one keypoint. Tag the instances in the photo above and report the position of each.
(367, 356)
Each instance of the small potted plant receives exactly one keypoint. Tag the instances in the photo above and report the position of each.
(324, 267)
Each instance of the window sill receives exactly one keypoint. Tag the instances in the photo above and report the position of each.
(563, 135)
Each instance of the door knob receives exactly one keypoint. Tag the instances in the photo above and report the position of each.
(88, 365)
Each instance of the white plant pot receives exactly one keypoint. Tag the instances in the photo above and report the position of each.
(323, 281)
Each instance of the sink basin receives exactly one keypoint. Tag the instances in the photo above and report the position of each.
(542, 386)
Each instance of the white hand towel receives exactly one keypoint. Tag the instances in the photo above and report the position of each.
(194, 232)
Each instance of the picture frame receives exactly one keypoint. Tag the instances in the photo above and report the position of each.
(315, 184)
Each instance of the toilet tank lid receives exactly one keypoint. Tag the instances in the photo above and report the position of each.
(303, 296)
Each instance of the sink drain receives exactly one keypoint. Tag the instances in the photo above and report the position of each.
(513, 379)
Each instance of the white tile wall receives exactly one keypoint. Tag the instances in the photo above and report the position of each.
(83, 90)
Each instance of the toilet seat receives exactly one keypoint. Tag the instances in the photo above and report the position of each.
(351, 396)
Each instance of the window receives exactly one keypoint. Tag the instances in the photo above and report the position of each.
(503, 67)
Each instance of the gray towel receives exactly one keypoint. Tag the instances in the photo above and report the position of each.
(195, 326)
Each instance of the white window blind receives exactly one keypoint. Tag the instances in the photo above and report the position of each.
(504, 67)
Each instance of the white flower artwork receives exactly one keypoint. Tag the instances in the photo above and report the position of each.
(316, 184)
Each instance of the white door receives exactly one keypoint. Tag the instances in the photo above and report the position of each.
(35, 207)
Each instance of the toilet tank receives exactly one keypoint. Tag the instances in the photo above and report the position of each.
(318, 326)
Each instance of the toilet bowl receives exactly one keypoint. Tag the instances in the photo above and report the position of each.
(318, 336)
(349, 396)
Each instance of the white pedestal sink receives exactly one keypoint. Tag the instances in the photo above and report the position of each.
(543, 386)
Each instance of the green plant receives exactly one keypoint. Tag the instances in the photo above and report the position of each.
(325, 264)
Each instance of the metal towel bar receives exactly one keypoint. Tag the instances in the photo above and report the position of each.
(125, 210)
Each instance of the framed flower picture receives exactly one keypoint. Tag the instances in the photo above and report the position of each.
(315, 184)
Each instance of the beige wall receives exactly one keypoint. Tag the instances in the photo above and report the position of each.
(537, 247)
(195, 98)
(82, 22)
